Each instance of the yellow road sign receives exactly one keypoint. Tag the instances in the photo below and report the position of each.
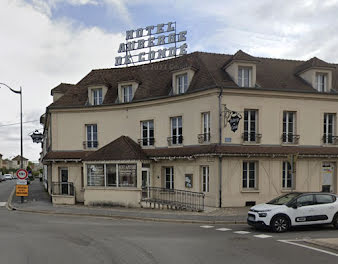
(22, 190)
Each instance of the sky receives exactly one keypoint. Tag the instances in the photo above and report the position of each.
(46, 42)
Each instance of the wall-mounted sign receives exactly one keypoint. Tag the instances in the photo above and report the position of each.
(150, 37)
(37, 137)
(234, 121)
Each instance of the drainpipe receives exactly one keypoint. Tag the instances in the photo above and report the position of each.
(219, 143)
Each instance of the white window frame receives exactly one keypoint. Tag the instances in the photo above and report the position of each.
(241, 76)
(171, 178)
(177, 135)
(205, 178)
(326, 125)
(97, 96)
(321, 81)
(286, 132)
(286, 175)
(92, 145)
(127, 93)
(247, 176)
(249, 125)
(206, 126)
(148, 138)
(182, 83)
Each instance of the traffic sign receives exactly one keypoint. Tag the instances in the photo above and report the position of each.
(21, 182)
(21, 190)
(22, 174)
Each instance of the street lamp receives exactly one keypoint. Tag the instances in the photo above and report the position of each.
(18, 92)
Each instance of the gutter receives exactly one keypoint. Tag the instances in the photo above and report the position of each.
(220, 143)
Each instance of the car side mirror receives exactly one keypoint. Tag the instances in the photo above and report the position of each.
(294, 206)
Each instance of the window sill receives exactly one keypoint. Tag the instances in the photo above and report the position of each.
(175, 146)
(329, 145)
(250, 191)
(148, 147)
(289, 144)
(287, 190)
(251, 143)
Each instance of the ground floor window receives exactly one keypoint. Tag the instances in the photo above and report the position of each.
(249, 175)
(169, 178)
(205, 179)
(112, 175)
(287, 175)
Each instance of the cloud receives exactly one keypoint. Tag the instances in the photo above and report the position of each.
(38, 53)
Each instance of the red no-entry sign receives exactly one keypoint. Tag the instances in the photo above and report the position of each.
(22, 174)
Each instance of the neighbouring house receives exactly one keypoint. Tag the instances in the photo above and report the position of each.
(121, 136)
(16, 163)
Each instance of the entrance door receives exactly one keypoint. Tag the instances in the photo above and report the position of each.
(64, 181)
(328, 172)
(145, 182)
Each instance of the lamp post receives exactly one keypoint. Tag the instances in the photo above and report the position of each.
(18, 92)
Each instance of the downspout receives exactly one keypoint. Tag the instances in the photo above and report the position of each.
(219, 143)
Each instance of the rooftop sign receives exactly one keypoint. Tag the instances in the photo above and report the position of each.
(150, 37)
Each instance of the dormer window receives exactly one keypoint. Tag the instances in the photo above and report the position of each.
(321, 82)
(182, 83)
(244, 76)
(97, 96)
(127, 93)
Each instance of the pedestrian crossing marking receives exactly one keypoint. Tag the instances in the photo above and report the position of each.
(207, 226)
(2, 204)
(242, 232)
(223, 229)
(262, 236)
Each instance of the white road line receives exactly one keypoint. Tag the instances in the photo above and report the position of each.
(223, 229)
(207, 226)
(242, 232)
(262, 236)
(292, 242)
(2, 204)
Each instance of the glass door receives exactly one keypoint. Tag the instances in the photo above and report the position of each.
(64, 181)
(145, 182)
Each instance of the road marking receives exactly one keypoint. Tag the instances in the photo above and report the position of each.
(262, 236)
(242, 232)
(223, 229)
(206, 226)
(293, 242)
(3, 204)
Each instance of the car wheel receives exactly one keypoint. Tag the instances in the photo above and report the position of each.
(335, 221)
(280, 224)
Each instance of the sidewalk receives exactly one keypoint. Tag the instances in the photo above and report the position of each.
(40, 202)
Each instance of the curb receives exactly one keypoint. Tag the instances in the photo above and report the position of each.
(322, 244)
(148, 219)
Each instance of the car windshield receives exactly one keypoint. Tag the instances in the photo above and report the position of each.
(284, 199)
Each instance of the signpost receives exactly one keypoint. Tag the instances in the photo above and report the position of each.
(21, 183)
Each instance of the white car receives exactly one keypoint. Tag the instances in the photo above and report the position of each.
(8, 176)
(295, 209)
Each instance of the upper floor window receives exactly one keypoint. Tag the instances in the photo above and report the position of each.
(147, 133)
(91, 136)
(176, 131)
(205, 136)
(250, 126)
(97, 96)
(289, 127)
(244, 76)
(329, 128)
(127, 93)
(182, 83)
(321, 82)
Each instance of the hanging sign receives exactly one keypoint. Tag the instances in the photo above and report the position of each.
(37, 137)
(234, 121)
(150, 37)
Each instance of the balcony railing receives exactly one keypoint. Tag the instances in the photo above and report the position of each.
(63, 188)
(90, 144)
(251, 137)
(145, 142)
(176, 199)
(290, 138)
(203, 138)
(330, 139)
(175, 140)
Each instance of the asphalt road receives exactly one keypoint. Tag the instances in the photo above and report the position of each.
(39, 238)
(6, 187)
